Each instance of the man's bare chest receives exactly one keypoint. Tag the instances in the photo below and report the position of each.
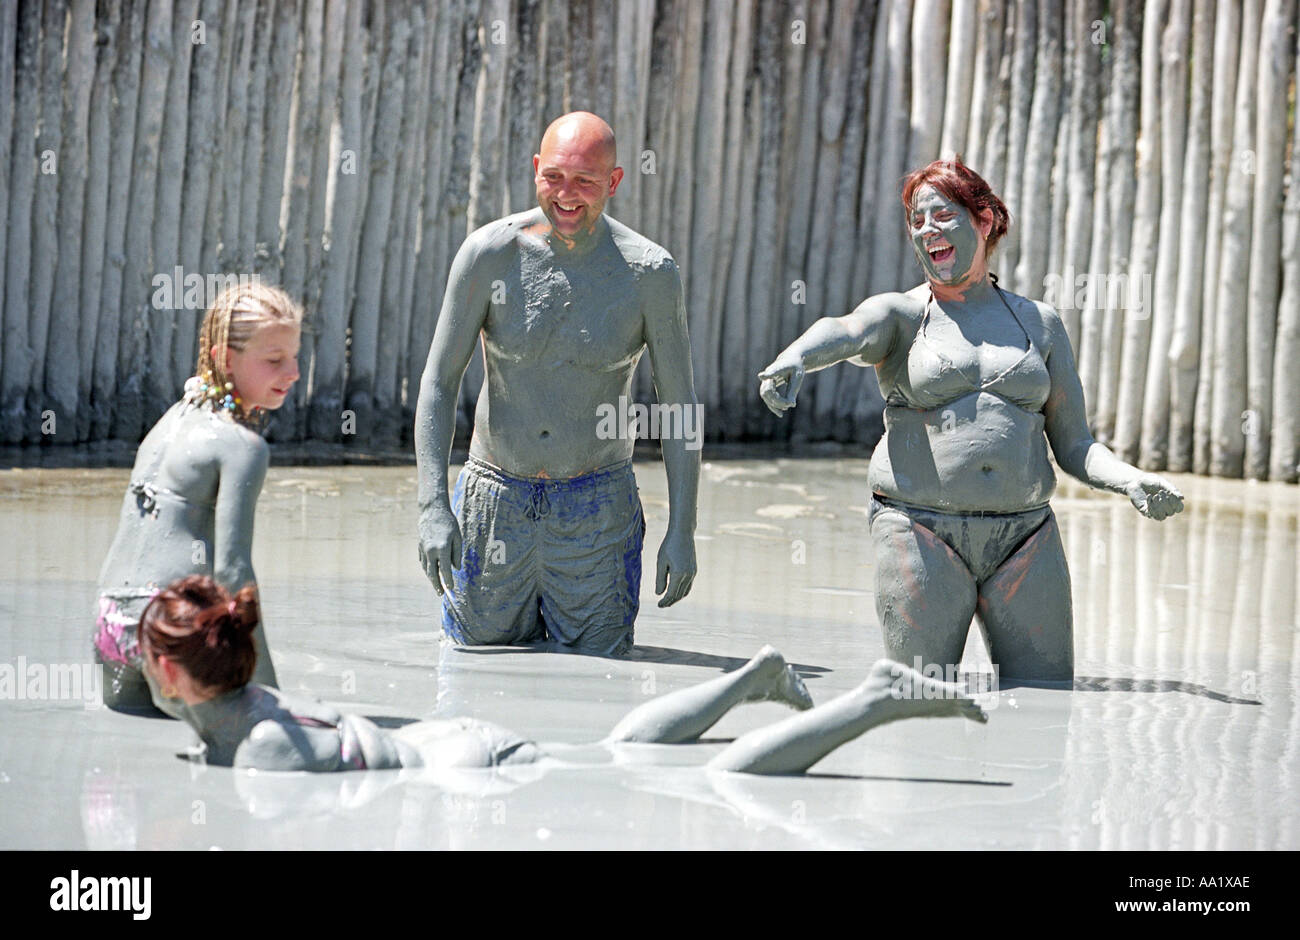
(585, 314)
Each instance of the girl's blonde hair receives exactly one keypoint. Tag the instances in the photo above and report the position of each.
(237, 313)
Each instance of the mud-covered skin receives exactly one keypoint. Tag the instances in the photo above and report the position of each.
(258, 728)
(977, 382)
(562, 326)
(189, 510)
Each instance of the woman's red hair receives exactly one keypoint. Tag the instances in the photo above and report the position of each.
(200, 626)
(963, 185)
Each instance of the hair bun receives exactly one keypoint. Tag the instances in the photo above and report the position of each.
(243, 610)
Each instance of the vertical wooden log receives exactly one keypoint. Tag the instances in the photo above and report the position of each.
(993, 150)
(1227, 41)
(268, 258)
(394, 317)
(430, 274)
(18, 257)
(485, 184)
(126, 90)
(627, 131)
(1125, 89)
(1060, 186)
(962, 47)
(799, 223)
(1024, 47)
(1084, 108)
(988, 56)
(1154, 450)
(1284, 454)
(1266, 229)
(681, 200)
(45, 236)
(235, 124)
(523, 103)
(456, 191)
(735, 306)
(873, 215)
(930, 22)
(96, 210)
(379, 206)
(63, 368)
(579, 71)
(887, 250)
(710, 131)
(1146, 234)
(301, 206)
(768, 294)
(1094, 305)
(852, 386)
(226, 28)
(1231, 424)
(8, 53)
(823, 232)
(601, 30)
(295, 208)
(344, 24)
(129, 416)
(659, 107)
(202, 143)
(1040, 144)
(254, 168)
(167, 373)
(554, 63)
(1185, 343)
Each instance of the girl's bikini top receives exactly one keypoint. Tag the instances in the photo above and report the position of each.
(927, 379)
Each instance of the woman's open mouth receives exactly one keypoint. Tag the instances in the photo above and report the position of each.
(939, 252)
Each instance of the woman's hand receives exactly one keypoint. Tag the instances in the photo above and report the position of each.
(780, 383)
(1154, 496)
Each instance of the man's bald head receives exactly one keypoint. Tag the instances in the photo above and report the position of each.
(575, 173)
(582, 131)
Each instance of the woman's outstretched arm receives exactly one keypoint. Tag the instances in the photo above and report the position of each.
(1072, 442)
(863, 337)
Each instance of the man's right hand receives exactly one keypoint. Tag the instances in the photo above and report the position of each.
(440, 543)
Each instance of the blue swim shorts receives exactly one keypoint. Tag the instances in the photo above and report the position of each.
(546, 561)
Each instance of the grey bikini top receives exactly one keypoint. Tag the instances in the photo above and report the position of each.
(928, 379)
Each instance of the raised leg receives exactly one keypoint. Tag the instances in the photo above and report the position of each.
(925, 594)
(686, 714)
(1026, 612)
(891, 691)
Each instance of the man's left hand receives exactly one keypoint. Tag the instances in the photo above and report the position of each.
(676, 563)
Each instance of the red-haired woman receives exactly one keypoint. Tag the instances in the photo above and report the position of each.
(977, 381)
(197, 644)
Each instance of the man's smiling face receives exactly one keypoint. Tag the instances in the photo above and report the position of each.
(575, 175)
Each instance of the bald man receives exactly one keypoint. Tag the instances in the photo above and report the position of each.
(541, 543)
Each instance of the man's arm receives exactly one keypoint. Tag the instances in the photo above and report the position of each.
(464, 308)
(669, 346)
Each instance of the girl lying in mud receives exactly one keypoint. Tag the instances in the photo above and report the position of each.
(197, 642)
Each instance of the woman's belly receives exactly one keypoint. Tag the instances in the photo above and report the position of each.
(979, 453)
